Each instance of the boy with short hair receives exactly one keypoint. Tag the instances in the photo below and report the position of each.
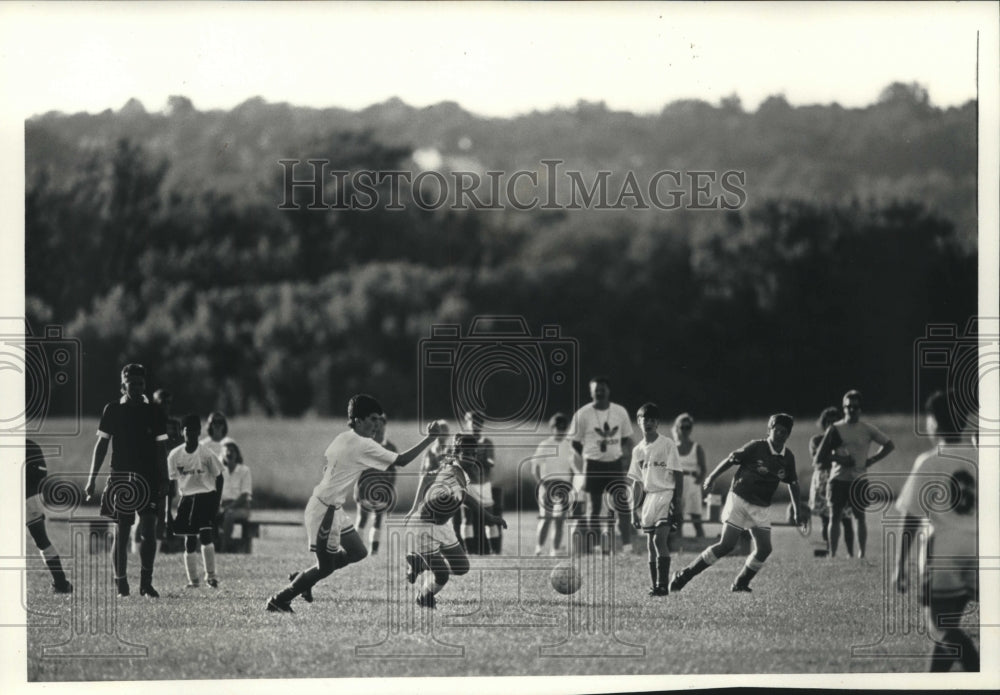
(657, 489)
(440, 494)
(197, 476)
(554, 473)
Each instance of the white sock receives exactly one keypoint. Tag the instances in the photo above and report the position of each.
(191, 567)
(208, 557)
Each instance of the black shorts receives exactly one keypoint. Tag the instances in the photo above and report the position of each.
(128, 494)
(598, 475)
(848, 493)
(195, 513)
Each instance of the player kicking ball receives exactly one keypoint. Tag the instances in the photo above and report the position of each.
(439, 495)
(331, 533)
(761, 465)
(657, 489)
(197, 476)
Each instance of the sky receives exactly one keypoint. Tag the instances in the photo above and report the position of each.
(493, 59)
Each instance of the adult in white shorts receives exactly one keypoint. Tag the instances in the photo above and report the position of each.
(762, 465)
(329, 529)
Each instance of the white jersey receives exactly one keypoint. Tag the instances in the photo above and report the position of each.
(347, 457)
(556, 460)
(237, 482)
(601, 431)
(689, 461)
(194, 472)
(653, 464)
(217, 448)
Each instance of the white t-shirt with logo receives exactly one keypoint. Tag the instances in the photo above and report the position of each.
(347, 457)
(653, 464)
(601, 431)
(194, 472)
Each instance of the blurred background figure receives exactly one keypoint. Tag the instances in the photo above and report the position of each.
(481, 538)
(34, 515)
(554, 474)
(218, 429)
(692, 458)
(818, 502)
(375, 493)
(237, 493)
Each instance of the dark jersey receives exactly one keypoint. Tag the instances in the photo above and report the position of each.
(760, 471)
(34, 469)
(444, 493)
(134, 430)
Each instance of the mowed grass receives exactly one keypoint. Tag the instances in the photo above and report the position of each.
(804, 616)
(286, 456)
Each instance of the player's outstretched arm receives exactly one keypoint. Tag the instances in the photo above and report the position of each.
(488, 518)
(413, 452)
(100, 451)
(714, 475)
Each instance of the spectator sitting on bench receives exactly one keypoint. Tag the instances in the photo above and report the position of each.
(237, 491)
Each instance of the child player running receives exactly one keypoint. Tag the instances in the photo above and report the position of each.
(657, 489)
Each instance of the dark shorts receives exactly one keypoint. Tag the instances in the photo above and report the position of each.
(848, 493)
(128, 494)
(195, 513)
(598, 475)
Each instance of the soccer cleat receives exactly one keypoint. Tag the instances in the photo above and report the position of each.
(148, 591)
(678, 581)
(273, 605)
(427, 600)
(742, 588)
(192, 585)
(659, 591)
(122, 586)
(62, 588)
(307, 594)
(213, 582)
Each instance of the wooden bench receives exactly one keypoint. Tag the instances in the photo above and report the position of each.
(242, 542)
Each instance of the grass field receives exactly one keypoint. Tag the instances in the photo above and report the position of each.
(804, 616)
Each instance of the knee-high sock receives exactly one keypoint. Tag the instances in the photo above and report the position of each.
(662, 571)
(52, 561)
(750, 570)
(191, 567)
(208, 558)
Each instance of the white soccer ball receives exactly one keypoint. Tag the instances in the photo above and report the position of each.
(565, 579)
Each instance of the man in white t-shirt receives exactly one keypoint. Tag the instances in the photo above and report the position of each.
(197, 477)
(602, 435)
(554, 467)
(330, 530)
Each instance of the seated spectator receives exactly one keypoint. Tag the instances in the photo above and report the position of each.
(237, 492)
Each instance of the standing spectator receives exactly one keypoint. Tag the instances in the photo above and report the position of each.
(481, 534)
(818, 502)
(948, 580)
(844, 449)
(554, 473)
(218, 429)
(602, 435)
(375, 493)
(138, 482)
(761, 465)
(237, 493)
(34, 515)
(197, 474)
(692, 458)
(330, 532)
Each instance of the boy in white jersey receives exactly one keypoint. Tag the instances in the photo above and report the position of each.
(331, 533)
(554, 467)
(657, 491)
(692, 458)
(197, 477)
(439, 496)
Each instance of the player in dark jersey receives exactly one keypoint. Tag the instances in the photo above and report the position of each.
(480, 536)
(34, 474)
(137, 483)
(762, 465)
(440, 494)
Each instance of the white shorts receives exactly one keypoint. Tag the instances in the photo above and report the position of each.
(34, 510)
(430, 537)
(324, 525)
(691, 497)
(655, 510)
(743, 515)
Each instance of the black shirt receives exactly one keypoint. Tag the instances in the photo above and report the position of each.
(134, 430)
(760, 471)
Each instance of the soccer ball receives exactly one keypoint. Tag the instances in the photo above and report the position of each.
(565, 579)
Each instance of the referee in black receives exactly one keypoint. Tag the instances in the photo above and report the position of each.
(137, 483)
